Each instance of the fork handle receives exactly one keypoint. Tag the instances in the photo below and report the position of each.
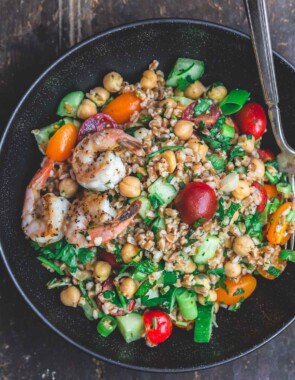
(258, 22)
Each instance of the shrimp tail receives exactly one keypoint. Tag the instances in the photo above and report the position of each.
(40, 178)
(130, 143)
(103, 234)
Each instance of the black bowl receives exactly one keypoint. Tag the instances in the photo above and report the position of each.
(229, 58)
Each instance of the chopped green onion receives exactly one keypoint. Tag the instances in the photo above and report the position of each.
(181, 323)
(50, 264)
(106, 325)
(227, 131)
(139, 276)
(287, 254)
(290, 216)
(169, 178)
(284, 188)
(234, 101)
(272, 179)
(161, 150)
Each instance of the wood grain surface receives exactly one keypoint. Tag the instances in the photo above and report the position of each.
(32, 34)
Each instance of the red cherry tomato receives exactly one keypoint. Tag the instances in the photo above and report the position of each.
(196, 200)
(263, 195)
(252, 120)
(266, 155)
(158, 326)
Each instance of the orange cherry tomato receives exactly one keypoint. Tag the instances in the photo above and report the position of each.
(271, 191)
(277, 263)
(122, 107)
(61, 144)
(247, 284)
(278, 225)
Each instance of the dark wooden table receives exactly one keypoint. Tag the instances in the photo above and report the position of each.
(32, 34)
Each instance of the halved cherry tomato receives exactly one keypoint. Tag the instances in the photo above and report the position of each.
(276, 262)
(195, 201)
(278, 225)
(271, 191)
(122, 107)
(266, 155)
(252, 120)
(263, 196)
(60, 145)
(158, 326)
(247, 283)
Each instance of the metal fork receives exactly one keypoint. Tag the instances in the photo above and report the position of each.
(258, 22)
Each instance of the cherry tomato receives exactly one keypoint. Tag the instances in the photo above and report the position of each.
(247, 284)
(278, 264)
(252, 120)
(271, 191)
(266, 155)
(109, 258)
(196, 200)
(263, 196)
(158, 326)
(60, 145)
(95, 123)
(122, 107)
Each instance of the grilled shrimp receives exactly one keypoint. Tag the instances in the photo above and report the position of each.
(94, 163)
(84, 221)
(42, 217)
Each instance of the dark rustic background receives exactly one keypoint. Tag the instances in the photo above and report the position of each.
(32, 34)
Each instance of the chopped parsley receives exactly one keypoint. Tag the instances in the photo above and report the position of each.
(202, 106)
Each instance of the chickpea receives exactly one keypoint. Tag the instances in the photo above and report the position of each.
(232, 270)
(128, 287)
(112, 82)
(177, 92)
(169, 156)
(70, 296)
(211, 297)
(184, 129)
(86, 109)
(149, 79)
(217, 93)
(202, 284)
(189, 266)
(168, 103)
(242, 190)
(130, 187)
(102, 270)
(130, 252)
(68, 187)
(243, 245)
(194, 90)
(247, 144)
(198, 148)
(98, 95)
(256, 168)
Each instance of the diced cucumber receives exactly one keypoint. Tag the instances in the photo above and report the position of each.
(43, 135)
(158, 225)
(163, 190)
(145, 205)
(206, 250)
(183, 100)
(204, 323)
(131, 326)
(70, 103)
(185, 68)
(187, 303)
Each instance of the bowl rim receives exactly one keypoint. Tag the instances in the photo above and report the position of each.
(109, 31)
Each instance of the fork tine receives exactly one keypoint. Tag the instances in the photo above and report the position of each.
(292, 182)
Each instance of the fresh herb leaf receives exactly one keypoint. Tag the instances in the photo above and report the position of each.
(217, 163)
(143, 118)
(274, 271)
(220, 214)
(156, 201)
(239, 291)
(199, 222)
(202, 106)
(217, 271)
(117, 253)
(169, 277)
(237, 151)
(169, 178)
(85, 255)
